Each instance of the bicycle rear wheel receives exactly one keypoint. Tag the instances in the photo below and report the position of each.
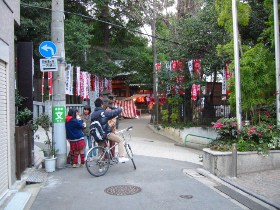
(130, 154)
(99, 163)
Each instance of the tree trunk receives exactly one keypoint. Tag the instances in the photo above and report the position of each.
(104, 15)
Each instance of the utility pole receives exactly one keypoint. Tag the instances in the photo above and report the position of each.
(155, 73)
(277, 57)
(236, 66)
(58, 105)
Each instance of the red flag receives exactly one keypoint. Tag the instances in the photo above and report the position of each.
(195, 91)
(228, 76)
(43, 80)
(158, 66)
(180, 65)
(174, 65)
(197, 67)
(50, 83)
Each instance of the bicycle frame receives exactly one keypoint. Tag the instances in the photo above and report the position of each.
(99, 166)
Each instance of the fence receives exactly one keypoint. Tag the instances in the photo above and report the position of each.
(46, 107)
(205, 115)
(24, 153)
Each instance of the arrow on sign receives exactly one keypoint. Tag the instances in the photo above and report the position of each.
(46, 48)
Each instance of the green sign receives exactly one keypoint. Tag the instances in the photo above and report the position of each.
(58, 114)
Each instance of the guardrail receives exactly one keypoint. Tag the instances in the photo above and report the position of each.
(196, 136)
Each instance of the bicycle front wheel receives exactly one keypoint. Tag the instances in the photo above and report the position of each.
(99, 163)
(130, 154)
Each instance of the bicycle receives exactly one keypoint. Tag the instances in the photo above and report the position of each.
(102, 157)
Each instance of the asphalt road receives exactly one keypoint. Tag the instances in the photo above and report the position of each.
(160, 178)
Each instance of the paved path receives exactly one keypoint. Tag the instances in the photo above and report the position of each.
(264, 185)
(146, 142)
(160, 175)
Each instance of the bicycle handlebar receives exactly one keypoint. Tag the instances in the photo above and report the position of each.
(126, 129)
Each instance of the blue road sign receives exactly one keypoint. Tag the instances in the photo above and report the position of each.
(47, 49)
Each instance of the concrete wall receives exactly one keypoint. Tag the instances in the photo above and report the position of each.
(10, 15)
(220, 163)
(192, 141)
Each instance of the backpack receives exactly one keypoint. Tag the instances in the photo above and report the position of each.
(97, 132)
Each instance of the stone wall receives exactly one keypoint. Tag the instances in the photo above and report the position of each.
(220, 163)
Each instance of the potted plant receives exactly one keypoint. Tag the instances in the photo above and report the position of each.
(49, 152)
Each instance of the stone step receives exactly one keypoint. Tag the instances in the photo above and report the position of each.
(19, 201)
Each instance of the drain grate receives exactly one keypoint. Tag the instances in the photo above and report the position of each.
(37, 176)
(122, 190)
(186, 196)
(246, 201)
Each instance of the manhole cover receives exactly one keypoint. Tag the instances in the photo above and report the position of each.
(122, 190)
(186, 196)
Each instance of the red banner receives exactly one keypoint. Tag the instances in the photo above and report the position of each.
(197, 67)
(50, 83)
(195, 91)
(228, 76)
(158, 66)
(174, 65)
(43, 81)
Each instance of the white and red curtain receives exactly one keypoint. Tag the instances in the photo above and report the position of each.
(129, 108)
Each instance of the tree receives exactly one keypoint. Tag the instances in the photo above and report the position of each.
(258, 79)
(77, 38)
(256, 63)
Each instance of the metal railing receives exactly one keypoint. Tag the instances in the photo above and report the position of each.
(46, 107)
(196, 136)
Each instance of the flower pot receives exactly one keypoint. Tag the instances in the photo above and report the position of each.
(50, 164)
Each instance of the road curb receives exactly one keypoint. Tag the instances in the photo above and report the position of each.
(234, 186)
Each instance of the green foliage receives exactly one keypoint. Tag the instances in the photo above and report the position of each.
(93, 45)
(44, 121)
(224, 11)
(260, 137)
(257, 78)
(165, 115)
(77, 38)
(24, 116)
(246, 145)
(226, 129)
(173, 103)
(18, 99)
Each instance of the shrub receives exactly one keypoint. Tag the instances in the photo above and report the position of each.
(226, 129)
(261, 137)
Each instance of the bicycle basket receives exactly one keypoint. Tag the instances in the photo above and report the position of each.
(127, 136)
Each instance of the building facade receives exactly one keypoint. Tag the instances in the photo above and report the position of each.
(9, 18)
